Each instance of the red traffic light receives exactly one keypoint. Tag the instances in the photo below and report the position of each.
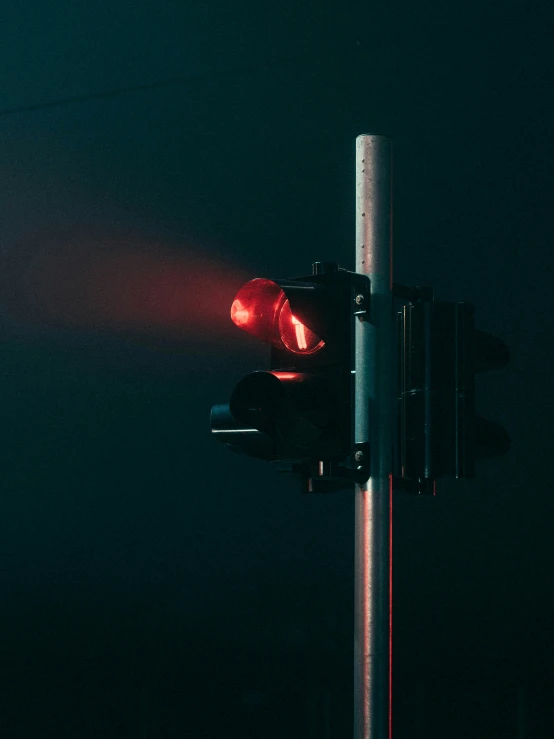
(262, 308)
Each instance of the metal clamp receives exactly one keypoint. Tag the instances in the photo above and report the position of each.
(358, 470)
(328, 476)
(362, 295)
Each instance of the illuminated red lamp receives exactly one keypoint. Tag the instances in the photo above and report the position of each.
(261, 308)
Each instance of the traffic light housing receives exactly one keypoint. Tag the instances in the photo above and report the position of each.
(440, 352)
(299, 412)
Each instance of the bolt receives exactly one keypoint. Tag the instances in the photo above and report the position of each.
(359, 456)
(359, 299)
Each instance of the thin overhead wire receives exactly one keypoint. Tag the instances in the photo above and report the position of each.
(168, 82)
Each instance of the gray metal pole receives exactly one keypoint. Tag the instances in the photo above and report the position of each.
(373, 422)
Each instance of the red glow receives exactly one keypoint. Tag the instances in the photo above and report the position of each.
(390, 606)
(239, 313)
(255, 307)
(286, 375)
(295, 336)
(300, 333)
(261, 308)
(120, 284)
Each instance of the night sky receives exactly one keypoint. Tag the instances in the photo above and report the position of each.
(155, 156)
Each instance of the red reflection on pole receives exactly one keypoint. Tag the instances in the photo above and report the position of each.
(390, 606)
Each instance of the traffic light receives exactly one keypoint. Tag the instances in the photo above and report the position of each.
(299, 411)
(439, 354)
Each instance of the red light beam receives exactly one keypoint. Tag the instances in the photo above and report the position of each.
(114, 286)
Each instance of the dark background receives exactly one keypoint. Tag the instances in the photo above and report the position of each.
(155, 155)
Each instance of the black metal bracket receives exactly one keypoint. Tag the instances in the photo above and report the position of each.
(327, 476)
(357, 468)
(361, 285)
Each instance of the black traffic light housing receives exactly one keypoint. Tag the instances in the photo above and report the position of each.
(299, 412)
(439, 354)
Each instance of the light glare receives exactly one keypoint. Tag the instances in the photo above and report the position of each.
(239, 313)
(300, 333)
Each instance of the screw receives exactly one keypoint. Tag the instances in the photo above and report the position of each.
(359, 456)
(359, 299)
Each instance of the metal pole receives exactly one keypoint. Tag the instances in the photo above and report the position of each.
(373, 422)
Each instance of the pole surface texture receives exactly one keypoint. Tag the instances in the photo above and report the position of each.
(373, 423)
